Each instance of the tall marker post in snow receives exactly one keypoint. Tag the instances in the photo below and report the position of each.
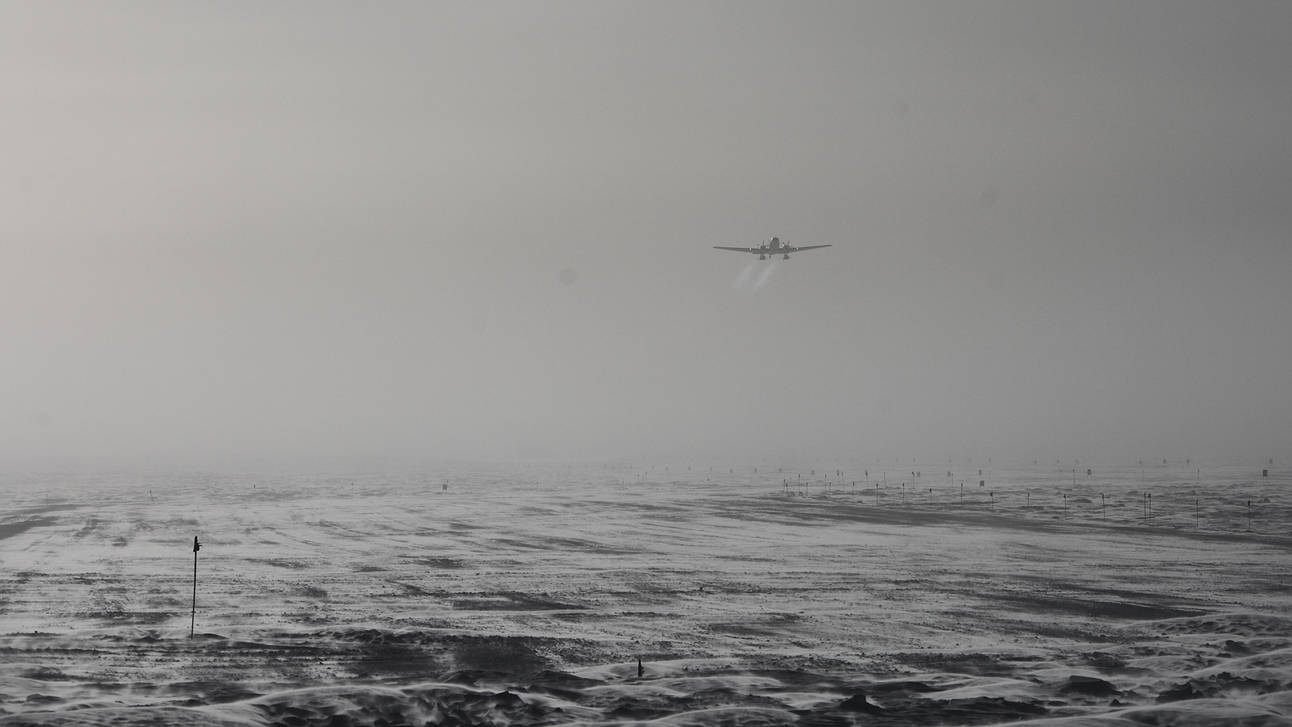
(192, 621)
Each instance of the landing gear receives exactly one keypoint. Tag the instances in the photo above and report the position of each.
(787, 257)
(762, 257)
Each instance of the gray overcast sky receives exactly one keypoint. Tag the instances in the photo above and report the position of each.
(310, 230)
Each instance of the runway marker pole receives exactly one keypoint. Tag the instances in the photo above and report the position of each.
(193, 616)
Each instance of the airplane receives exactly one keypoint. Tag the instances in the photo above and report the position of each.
(772, 247)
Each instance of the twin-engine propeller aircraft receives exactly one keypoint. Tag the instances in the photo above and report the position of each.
(772, 247)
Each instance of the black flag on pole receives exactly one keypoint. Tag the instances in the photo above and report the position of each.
(192, 620)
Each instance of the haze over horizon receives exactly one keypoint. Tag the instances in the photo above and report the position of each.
(301, 232)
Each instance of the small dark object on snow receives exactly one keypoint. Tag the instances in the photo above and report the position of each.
(859, 703)
(1092, 686)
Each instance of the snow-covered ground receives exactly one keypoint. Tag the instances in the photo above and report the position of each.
(525, 594)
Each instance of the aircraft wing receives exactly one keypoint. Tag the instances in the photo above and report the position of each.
(801, 248)
(737, 249)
